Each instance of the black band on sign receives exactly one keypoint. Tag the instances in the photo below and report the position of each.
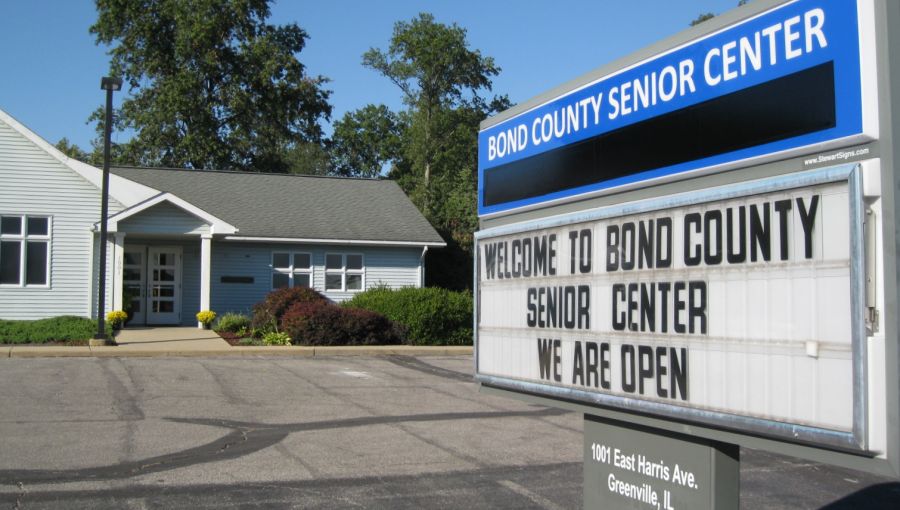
(793, 105)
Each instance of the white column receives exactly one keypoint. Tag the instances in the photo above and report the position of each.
(205, 264)
(422, 266)
(118, 261)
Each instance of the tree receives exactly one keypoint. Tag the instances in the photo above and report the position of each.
(212, 84)
(444, 85)
(701, 18)
(708, 15)
(365, 141)
(308, 158)
(438, 75)
(73, 151)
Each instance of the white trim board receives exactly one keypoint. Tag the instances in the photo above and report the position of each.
(216, 225)
(302, 240)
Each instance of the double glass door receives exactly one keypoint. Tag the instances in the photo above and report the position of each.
(151, 280)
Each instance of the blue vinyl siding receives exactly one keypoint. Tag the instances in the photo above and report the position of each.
(394, 267)
(190, 283)
(164, 218)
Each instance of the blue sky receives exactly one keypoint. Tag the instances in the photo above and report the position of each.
(51, 67)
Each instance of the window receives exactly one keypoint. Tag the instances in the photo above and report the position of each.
(344, 272)
(291, 270)
(24, 250)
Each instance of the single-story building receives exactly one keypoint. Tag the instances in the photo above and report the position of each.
(181, 241)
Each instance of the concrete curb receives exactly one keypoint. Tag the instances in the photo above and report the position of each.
(298, 351)
(50, 351)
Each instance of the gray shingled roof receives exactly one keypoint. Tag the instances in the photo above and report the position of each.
(295, 206)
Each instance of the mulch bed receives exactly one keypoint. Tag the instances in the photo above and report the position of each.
(231, 338)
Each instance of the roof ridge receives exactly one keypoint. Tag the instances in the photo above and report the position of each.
(246, 172)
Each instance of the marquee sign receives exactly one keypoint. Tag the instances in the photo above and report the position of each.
(780, 81)
(738, 306)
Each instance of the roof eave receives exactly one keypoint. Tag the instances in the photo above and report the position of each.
(358, 242)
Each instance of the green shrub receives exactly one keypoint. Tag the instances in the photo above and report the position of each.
(66, 329)
(322, 323)
(233, 323)
(429, 316)
(276, 338)
(267, 313)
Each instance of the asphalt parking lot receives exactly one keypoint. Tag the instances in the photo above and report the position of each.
(342, 432)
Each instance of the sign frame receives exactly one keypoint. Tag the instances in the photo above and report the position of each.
(855, 441)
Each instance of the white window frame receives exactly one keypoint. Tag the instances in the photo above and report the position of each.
(343, 272)
(23, 238)
(290, 270)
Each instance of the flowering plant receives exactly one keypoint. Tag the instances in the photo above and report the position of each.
(206, 317)
(116, 318)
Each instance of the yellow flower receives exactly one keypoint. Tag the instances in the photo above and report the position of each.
(206, 316)
(116, 318)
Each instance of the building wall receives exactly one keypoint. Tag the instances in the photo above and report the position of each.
(33, 182)
(164, 218)
(394, 267)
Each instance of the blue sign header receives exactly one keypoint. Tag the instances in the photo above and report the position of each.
(786, 40)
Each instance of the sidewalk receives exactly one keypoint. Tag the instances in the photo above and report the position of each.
(180, 341)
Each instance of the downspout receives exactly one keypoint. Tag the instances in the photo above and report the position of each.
(422, 267)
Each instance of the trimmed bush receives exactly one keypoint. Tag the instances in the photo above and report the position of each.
(64, 329)
(322, 323)
(276, 338)
(233, 323)
(429, 316)
(267, 314)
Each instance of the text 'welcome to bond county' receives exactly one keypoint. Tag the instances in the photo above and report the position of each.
(718, 236)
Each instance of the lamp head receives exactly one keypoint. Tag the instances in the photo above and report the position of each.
(109, 83)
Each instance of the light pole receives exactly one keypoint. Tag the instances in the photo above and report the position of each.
(110, 85)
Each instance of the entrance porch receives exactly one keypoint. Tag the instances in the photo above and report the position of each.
(159, 282)
(161, 260)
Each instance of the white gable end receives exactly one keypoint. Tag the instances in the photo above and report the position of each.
(124, 191)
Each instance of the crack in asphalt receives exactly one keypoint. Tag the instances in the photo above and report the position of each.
(371, 491)
(419, 365)
(244, 439)
(20, 496)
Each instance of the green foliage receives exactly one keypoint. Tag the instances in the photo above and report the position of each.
(322, 323)
(450, 267)
(276, 338)
(308, 158)
(211, 83)
(66, 329)
(701, 18)
(431, 145)
(430, 316)
(708, 15)
(365, 141)
(73, 151)
(267, 314)
(233, 323)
